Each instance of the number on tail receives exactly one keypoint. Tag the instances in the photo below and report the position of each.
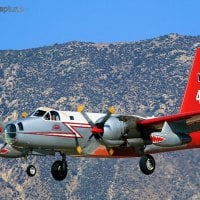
(198, 96)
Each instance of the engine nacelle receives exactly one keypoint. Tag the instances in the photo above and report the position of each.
(113, 129)
(169, 139)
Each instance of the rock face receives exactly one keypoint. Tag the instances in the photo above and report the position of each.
(145, 77)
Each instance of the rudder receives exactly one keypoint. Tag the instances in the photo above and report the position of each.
(191, 99)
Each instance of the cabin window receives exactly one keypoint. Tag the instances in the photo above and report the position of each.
(71, 117)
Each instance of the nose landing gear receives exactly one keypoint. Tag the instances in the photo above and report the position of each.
(31, 170)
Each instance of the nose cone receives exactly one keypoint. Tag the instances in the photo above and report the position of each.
(10, 133)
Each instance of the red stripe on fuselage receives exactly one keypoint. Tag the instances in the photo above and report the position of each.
(71, 126)
(54, 134)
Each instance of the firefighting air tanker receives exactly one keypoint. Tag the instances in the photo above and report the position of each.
(110, 135)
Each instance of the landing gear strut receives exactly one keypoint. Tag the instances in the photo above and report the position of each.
(59, 168)
(147, 164)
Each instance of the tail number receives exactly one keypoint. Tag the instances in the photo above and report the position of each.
(198, 96)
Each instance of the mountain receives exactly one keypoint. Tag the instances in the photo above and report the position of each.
(146, 77)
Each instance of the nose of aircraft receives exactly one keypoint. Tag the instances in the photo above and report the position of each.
(10, 133)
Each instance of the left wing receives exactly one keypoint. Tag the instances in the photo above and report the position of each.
(158, 122)
(171, 131)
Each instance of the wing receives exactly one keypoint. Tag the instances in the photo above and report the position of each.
(138, 132)
(188, 119)
(171, 131)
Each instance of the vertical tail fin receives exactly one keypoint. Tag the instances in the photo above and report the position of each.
(191, 99)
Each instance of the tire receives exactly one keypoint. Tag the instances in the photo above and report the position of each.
(31, 170)
(59, 170)
(147, 164)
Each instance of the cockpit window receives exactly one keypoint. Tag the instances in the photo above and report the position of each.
(47, 116)
(52, 115)
(39, 113)
(20, 126)
(55, 116)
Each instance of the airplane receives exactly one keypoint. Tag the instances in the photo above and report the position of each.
(104, 135)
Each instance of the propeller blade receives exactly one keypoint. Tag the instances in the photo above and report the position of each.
(90, 147)
(24, 114)
(78, 147)
(110, 111)
(81, 110)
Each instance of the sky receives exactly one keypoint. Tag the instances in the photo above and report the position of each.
(37, 23)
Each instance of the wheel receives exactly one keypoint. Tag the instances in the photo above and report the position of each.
(147, 164)
(59, 170)
(31, 170)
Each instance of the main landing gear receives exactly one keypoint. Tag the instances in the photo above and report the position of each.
(59, 169)
(147, 164)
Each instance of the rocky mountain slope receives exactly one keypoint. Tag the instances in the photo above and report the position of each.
(146, 77)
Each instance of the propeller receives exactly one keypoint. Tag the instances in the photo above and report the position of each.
(97, 128)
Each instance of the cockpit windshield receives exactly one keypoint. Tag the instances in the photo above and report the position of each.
(47, 114)
(39, 113)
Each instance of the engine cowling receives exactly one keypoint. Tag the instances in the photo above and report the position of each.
(113, 129)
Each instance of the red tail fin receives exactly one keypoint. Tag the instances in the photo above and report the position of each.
(191, 99)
